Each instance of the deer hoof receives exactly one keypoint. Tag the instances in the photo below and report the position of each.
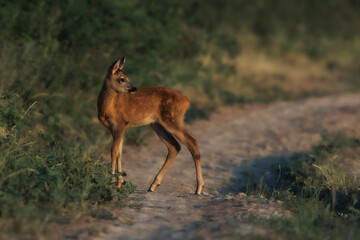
(153, 187)
(120, 182)
(198, 190)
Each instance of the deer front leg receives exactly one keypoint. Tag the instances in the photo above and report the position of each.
(116, 153)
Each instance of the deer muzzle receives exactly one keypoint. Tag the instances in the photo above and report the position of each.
(132, 90)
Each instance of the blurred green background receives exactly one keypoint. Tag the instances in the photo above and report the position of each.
(54, 56)
(216, 52)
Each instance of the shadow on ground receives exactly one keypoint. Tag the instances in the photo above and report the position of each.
(271, 171)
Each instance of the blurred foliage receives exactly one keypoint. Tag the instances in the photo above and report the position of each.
(57, 52)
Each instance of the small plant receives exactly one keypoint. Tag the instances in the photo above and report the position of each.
(322, 195)
(325, 170)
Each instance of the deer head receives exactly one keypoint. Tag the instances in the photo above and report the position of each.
(116, 78)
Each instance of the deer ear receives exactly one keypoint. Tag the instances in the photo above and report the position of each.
(118, 64)
(122, 62)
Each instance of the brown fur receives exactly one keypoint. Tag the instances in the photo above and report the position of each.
(119, 107)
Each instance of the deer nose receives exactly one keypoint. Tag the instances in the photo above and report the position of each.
(133, 89)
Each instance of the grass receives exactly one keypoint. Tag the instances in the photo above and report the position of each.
(320, 191)
(44, 179)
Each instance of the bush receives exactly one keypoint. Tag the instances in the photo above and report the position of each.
(43, 178)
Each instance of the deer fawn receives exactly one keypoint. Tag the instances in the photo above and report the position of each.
(121, 105)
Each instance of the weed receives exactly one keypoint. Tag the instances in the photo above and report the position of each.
(322, 195)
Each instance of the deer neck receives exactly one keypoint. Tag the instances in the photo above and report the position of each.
(105, 99)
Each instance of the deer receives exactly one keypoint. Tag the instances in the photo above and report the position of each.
(122, 105)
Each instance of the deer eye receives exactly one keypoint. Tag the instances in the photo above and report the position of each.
(121, 80)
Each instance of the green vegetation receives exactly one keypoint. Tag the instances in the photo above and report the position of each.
(216, 52)
(321, 190)
(43, 179)
(54, 56)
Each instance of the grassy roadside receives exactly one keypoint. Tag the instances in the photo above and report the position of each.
(321, 190)
(44, 179)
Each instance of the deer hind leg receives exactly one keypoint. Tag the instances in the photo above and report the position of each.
(173, 149)
(116, 153)
(192, 144)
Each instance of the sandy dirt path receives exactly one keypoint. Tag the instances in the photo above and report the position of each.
(234, 142)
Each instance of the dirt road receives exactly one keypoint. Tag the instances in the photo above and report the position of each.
(236, 141)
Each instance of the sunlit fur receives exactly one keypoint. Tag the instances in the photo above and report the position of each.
(162, 108)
